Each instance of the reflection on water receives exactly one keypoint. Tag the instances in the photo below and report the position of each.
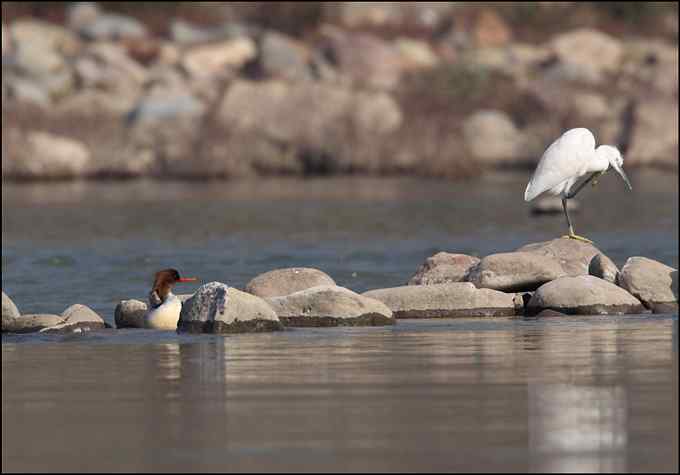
(583, 394)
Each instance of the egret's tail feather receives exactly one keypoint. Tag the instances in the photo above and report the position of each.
(528, 196)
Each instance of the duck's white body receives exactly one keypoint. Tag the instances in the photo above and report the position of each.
(166, 315)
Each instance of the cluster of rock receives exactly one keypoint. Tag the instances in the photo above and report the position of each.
(113, 99)
(558, 277)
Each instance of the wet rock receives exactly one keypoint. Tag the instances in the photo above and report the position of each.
(216, 308)
(130, 314)
(584, 295)
(550, 313)
(31, 323)
(280, 282)
(9, 311)
(553, 205)
(213, 59)
(330, 306)
(492, 138)
(592, 52)
(44, 156)
(77, 318)
(603, 267)
(443, 268)
(461, 299)
(575, 256)
(515, 271)
(654, 283)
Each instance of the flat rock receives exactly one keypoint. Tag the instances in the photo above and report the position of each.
(279, 282)
(443, 268)
(9, 310)
(575, 256)
(654, 283)
(77, 318)
(584, 295)
(603, 267)
(130, 314)
(217, 308)
(515, 271)
(460, 299)
(31, 323)
(330, 306)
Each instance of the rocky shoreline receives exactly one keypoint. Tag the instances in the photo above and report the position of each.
(555, 278)
(102, 96)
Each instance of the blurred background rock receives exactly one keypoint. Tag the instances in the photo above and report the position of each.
(223, 90)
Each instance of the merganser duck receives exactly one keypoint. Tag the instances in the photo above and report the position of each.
(165, 306)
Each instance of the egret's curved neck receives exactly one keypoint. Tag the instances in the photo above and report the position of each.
(600, 161)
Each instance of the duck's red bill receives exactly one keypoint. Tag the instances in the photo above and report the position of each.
(187, 279)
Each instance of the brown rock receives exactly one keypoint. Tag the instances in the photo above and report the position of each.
(442, 268)
(280, 282)
(654, 283)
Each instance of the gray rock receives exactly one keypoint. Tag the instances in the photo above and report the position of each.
(9, 311)
(280, 282)
(575, 256)
(654, 139)
(77, 318)
(654, 283)
(443, 268)
(591, 51)
(330, 306)
(460, 299)
(584, 295)
(515, 271)
(130, 314)
(553, 205)
(283, 57)
(603, 267)
(112, 26)
(492, 138)
(216, 308)
(42, 155)
(31, 323)
(550, 313)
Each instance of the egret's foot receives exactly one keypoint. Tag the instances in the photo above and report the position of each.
(578, 238)
(595, 182)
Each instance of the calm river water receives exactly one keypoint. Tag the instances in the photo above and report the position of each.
(577, 394)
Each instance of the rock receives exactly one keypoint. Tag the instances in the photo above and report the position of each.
(130, 314)
(45, 37)
(80, 14)
(284, 58)
(550, 313)
(111, 26)
(553, 205)
(280, 282)
(9, 311)
(575, 256)
(31, 323)
(43, 156)
(213, 59)
(652, 282)
(492, 138)
(654, 139)
(603, 267)
(584, 295)
(216, 308)
(107, 66)
(443, 268)
(491, 30)
(421, 15)
(416, 54)
(77, 318)
(649, 65)
(589, 50)
(92, 103)
(515, 271)
(26, 91)
(459, 299)
(330, 306)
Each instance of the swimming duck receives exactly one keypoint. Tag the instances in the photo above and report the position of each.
(165, 306)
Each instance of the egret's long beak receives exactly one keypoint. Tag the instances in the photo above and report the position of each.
(619, 170)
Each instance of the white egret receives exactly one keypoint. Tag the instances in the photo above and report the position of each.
(568, 159)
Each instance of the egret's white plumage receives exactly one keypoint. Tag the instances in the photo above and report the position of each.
(567, 160)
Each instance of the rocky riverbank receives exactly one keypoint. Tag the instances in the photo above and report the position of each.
(428, 89)
(556, 278)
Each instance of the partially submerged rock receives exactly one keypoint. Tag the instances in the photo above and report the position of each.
(584, 295)
(279, 282)
(575, 256)
(77, 318)
(603, 267)
(654, 283)
(9, 311)
(130, 314)
(217, 308)
(515, 271)
(31, 323)
(461, 299)
(330, 306)
(443, 268)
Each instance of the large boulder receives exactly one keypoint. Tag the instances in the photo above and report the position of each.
(654, 139)
(44, 156)
(444, 268)
(77, 318)
(594, 53)
(283, 57)
(575, 256)
(603, 267)
(654, 283)
(515, 271)
(492, 138)
(584, 295)
(460, 299)
(281, 282)
(130, 314)
(216, 308)
(9, 310)
(31, 323)
(330, 306)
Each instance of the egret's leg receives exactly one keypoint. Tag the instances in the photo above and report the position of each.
(572, 234)
(593, 176)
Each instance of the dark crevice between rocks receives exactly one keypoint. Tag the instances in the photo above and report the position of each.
(217, 327)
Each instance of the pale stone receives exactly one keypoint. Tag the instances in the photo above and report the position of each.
(281, 282)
